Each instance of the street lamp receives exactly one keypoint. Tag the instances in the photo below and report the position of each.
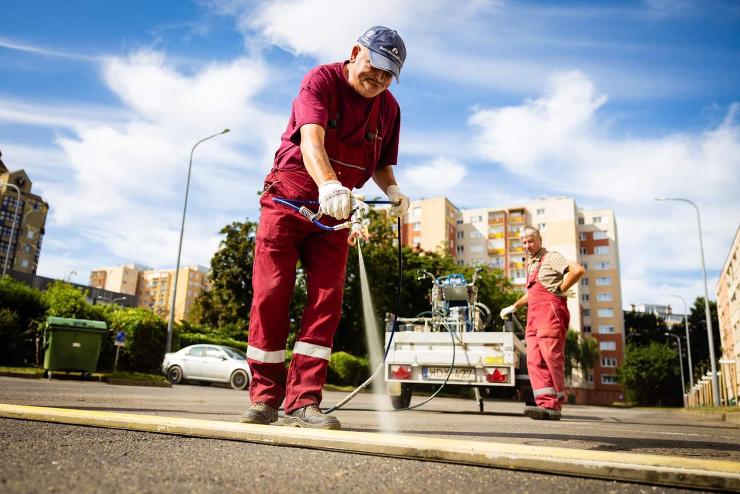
(707, 313)
(68, 278)
(179, 248)
(688, 341)
(680, 362)
(12, 225)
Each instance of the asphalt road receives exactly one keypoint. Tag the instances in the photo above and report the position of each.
(41, 457)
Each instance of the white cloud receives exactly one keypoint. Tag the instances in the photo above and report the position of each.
(433, 178)
(118, 185)
(558, 142)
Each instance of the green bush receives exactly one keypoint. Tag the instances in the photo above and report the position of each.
(346, 369)
(187, 339)
(22, 309)
(146, 338)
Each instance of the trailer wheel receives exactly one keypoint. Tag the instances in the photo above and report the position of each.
(404, 399)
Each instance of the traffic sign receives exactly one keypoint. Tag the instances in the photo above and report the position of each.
(120, 338)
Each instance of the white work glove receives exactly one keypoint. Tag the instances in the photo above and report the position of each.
(335, 200)
(507, 311)
(395, 195)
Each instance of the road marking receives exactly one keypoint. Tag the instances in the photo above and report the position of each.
(622, 466)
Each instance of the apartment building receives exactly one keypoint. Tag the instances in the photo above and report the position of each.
(491, 236)
(24, 217)
(154, 287)
(728, 306)
(664, 312)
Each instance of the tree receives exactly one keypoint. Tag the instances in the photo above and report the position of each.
(642, 328)
(650, 375)
(21, 313)
(698, 335)
(580, 353)
(64, 300)
(227, 304)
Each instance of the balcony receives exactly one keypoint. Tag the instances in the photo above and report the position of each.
(496, 220)
(516, 250)
(496, 252)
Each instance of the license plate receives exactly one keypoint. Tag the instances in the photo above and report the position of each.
(440, 373)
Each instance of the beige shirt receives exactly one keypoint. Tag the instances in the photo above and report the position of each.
(552, 271)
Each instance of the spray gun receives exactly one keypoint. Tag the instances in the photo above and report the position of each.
(359, 221)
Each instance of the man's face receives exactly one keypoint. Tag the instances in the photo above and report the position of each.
(363, 77)
(532, 243)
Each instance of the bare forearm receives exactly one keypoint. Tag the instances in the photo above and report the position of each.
(575, 272)
(521, 302)
(384, 177)
(314, 154)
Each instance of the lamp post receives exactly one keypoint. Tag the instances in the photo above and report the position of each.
(12, 225)
(680, 362)
(707, 313)
(179, 248)
(688, 341)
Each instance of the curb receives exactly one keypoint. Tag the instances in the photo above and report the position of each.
(132, 382)
(22, 375)
(621, 466)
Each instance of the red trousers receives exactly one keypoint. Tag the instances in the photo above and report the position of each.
(283, 238)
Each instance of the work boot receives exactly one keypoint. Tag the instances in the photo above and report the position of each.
(311, 416)
(540, 413)
(259, 413)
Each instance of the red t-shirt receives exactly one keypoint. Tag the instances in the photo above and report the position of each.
(312, 106)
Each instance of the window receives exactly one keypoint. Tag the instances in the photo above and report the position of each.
(460, 235)
(606, 312)
(586, 312)
(584, 297)
(602, 250)
(416, 212)
(600, 235)
(603, 265)
(27, 249)
(586, 329)
(607, 345)
(476, 219)
(583, 251)
(196, 352)
(584, 281)
(476, 234)
(541, 211)
(581, 221)
(213, 352)
(603, 281)
(608, 379)
(476, 248)
(605, 329)
(608, 362)
(460, 249)
(30, 235)
(585, 265)
(604, 297)
(590, 377)
(541, 226)
(582, 236)
(596, 219)
(417, 226)
(24, 263)
(416, 240)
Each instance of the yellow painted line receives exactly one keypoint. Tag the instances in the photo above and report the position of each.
(631, 467)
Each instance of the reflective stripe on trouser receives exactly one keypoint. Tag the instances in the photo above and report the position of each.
(545, 362)
(284, 237)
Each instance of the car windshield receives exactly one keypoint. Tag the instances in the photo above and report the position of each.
(234, 353)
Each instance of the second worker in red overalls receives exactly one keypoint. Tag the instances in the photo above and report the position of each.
(343, 130)
(549, 276)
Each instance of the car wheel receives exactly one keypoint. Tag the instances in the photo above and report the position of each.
(239, 380)
(174, 374)
(404, 399)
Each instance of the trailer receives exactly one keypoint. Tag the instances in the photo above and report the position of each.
(455, 344)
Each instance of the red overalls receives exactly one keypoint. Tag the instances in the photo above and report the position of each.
(547, 323)
(283, 238)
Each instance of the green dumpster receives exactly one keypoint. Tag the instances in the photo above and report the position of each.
(72, 344)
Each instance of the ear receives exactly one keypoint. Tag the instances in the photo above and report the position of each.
(355, 51)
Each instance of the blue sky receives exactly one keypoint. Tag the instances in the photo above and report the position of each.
(612, 103)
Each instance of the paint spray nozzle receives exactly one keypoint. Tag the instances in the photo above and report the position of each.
(359, 221)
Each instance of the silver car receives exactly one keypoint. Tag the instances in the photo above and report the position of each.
(208, 364)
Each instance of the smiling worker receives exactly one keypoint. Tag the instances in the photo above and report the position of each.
(343, 130)
(549, 276)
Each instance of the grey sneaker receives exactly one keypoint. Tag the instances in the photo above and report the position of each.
(312, 417)
(539, 413)
(259, 413)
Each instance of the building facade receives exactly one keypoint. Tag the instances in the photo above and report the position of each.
(24, 217)
(153, 288)
(491, 237)
(728, 307)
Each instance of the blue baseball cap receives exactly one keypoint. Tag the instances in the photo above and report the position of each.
(387, 49)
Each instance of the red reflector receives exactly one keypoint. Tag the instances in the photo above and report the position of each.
(400, 371)
(497, 376)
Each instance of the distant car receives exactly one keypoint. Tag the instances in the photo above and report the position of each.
(208, 364)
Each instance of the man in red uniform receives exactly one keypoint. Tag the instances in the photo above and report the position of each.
(549, 276)
(342, 131)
